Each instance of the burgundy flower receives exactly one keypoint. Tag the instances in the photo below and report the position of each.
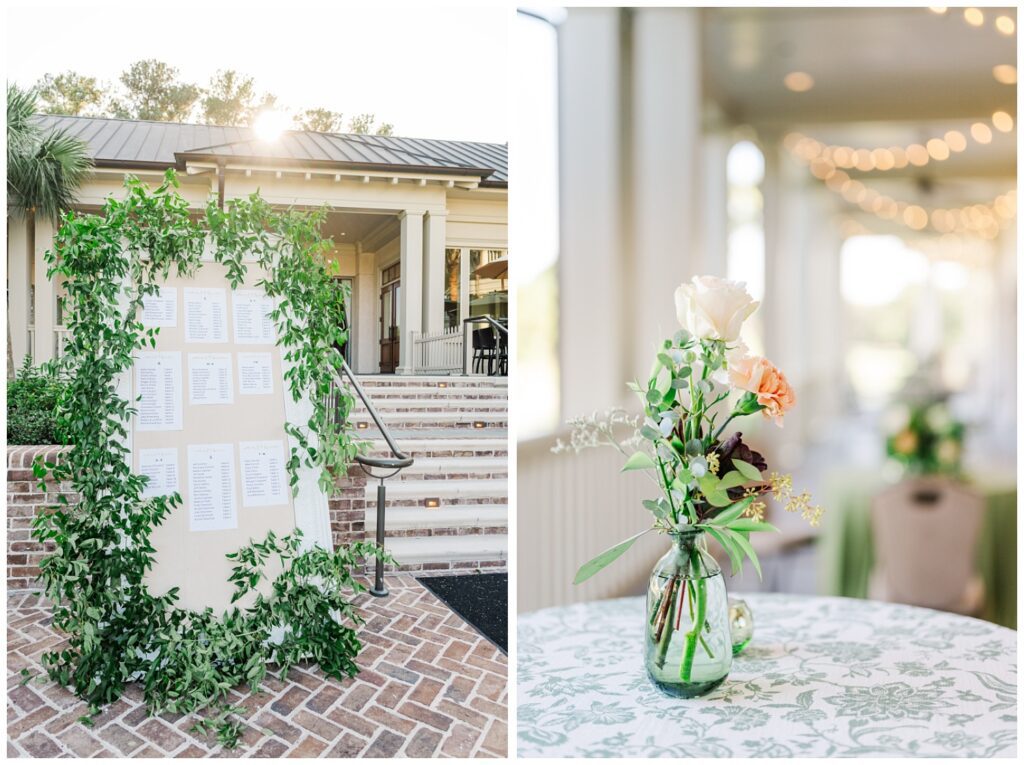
(734, 448)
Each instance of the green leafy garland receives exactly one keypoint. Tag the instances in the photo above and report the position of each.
(118, 632)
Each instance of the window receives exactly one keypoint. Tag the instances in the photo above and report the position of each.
(452, 287)
(535, 132)
(918, 322)
(488, 283)
(745, 212)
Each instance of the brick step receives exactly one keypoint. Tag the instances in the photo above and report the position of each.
(439, 521)
(432, 381)
(455, 468)
(448, 448)
(449, 552)
(386, 406)
(414, 492)
(420, 392)
(418, 420)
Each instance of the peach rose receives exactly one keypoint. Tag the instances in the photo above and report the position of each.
(762, 378)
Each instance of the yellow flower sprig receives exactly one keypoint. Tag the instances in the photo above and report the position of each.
(781, 487)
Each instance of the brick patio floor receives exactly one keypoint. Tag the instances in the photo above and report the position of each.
(430, 686)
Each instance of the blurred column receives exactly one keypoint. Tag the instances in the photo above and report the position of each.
(787, 220)
(593, 168)
(667, 171)
(45, 295)
(712, 244)
(19, 264)
(823, 354)
(1004, 404)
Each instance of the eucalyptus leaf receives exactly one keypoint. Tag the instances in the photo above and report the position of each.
(749, 524)
(748, 471)
(594, 565)
(638, 461)
(744, 544)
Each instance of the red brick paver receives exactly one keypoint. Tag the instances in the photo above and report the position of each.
(429, 686)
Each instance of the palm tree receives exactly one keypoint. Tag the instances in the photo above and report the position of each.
(44, 169)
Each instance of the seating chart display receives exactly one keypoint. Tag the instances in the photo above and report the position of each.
(211, 409)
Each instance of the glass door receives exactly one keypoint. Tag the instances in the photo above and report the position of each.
(389, 296)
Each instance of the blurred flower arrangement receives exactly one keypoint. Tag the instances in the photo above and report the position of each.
(924, 439)
(708, 481)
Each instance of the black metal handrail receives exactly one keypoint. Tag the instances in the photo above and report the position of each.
(395, 464)
(467, 344)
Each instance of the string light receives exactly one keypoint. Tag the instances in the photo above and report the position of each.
(1003, 122)
(1005, 74)
(981, 133)
(974, 17)
(798, 82)
(1005, 25)
(984, 220)
(937, 149)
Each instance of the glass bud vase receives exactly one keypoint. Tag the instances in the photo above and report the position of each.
(687, 643)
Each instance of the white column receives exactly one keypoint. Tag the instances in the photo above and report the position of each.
(666, 108)
(18, 286)
(463, 284)
(366, 321)
(433, 271)
(592, 306)
(45, 313)
(788, 217)
(410, 304)
(712, 204)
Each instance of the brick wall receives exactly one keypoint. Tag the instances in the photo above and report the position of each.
(24, 499)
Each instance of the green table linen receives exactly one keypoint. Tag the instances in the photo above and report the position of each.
(846, 548)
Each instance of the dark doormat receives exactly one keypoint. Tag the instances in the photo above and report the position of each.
(480, 599)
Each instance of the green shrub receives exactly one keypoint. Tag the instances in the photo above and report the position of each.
(32, 398)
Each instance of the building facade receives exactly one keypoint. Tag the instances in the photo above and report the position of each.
(420, 226)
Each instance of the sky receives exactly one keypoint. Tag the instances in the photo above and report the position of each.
(433, 73)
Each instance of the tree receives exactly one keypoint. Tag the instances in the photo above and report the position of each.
(154, 92)
(231, 99)
(319, 120)
(70, 93)
(363, 124)
(44, 169)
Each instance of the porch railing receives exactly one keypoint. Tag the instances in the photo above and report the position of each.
(437, 352)
(451, 351)
(392, 465)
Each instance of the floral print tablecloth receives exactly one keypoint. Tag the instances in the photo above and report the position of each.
(823, 677)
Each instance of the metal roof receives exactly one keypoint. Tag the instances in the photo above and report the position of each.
(127, 143)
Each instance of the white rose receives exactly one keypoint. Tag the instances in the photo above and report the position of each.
(713, 308)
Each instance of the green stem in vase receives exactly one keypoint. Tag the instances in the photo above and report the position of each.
(697, 626)
(690, 586)
(666, 636)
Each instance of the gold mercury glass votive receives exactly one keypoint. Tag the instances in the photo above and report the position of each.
(741, 624)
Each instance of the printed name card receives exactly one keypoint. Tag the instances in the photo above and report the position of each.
(264, 481)
(161, 467)
(161, 309)
(251, 313)
(211, 487)
(158, 383)
(206, 315)
(255, 374)
(209, 379)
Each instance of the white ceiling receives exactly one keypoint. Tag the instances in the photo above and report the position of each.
(883, 77)
(869, 64)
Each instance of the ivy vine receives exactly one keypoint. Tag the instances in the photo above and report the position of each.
(118, 632)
